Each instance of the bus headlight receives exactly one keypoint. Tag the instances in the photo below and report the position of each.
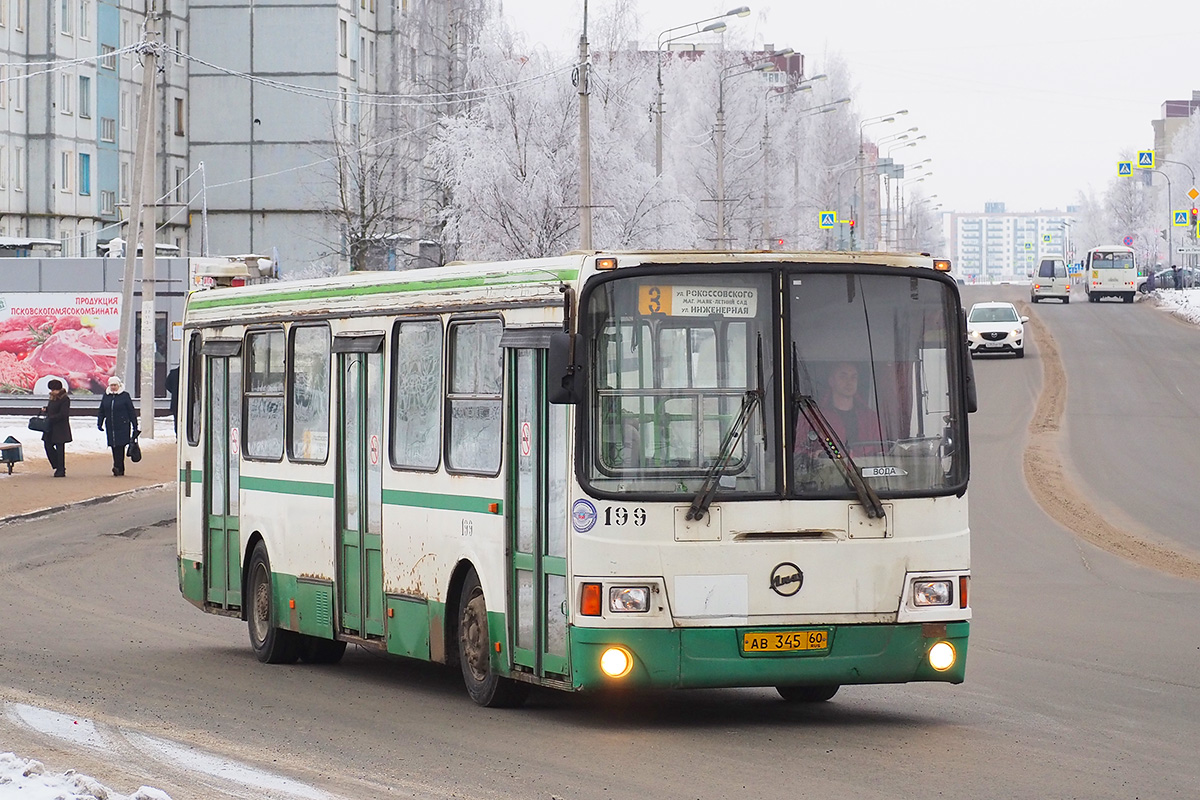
(616, 662)
(629, 598)
(942, 656)
(932, 593)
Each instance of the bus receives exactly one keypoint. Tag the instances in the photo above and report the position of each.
(600, 471)
(1109, 271)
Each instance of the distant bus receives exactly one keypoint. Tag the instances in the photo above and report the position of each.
(635, 470)
(1109, 271)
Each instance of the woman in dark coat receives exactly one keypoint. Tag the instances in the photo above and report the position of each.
(58, 427)
(117, 415)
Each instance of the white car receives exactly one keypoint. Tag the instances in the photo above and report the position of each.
(996, 328)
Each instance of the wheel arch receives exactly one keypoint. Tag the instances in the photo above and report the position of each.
(251, 542)
(458, 577)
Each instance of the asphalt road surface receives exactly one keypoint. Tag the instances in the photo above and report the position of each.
(1083, 678)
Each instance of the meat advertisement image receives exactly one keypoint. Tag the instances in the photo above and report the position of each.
(68, 336)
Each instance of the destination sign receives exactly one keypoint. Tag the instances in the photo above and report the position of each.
(698, 301)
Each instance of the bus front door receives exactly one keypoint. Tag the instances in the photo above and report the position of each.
(360, 495)
(537, 519)
(222, 542)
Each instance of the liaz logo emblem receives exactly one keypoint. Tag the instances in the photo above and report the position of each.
(786, 579)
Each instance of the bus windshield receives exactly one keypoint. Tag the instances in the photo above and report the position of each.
(674, 359)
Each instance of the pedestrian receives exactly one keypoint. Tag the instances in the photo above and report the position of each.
(117, 414)
(173, 390)
(58, 427)
(1178, 276)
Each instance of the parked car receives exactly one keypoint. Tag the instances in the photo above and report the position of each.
(996, 328)
(1051, 280)
(1165, 279)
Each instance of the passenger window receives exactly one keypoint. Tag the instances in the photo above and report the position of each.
(308, 387)
(263, 434)
(473, 399)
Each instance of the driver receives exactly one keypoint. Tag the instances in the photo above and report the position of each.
(848, 415)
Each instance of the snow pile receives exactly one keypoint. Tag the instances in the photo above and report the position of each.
(1183, 303)
(86, 439)
(27, 779)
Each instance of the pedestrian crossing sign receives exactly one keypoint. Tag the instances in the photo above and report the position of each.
(1046, 238)
(1181, 218)
(1124, 167)
(1145, 159)
(827, 219)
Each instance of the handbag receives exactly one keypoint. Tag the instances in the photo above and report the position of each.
(134, 450)
(38, 424)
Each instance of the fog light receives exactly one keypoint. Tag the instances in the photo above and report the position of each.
(941, 656)
(616, 662)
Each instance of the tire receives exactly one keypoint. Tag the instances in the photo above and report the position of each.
(1020, 353)
(272, 644)
(1127, 298)
(484, 686)
(807, 694)
(1033, 298)
(1066, 300)
(315, 650)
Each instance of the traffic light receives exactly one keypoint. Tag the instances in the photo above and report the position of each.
(1194, 213)
(851, 225)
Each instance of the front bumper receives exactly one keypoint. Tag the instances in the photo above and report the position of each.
(681, 658)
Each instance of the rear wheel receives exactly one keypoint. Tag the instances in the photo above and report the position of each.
(1066, 300)
(474, 652)
(807, 694)
(1128, 298)
(272, 644)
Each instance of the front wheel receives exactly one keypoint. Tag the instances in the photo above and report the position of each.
(1021, 353)
(807, 694)
(474, 652)
(272, 644)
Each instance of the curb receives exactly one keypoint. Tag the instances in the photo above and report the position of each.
(90, 501)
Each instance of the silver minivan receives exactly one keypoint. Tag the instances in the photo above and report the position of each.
(1051, 280)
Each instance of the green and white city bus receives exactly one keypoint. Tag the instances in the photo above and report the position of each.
(624, 470)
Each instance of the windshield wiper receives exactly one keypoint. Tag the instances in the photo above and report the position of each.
(834, 447)
(751, 400)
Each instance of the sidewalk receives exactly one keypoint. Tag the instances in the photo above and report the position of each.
(32, 487)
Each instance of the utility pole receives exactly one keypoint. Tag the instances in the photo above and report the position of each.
(125, 335)
(585, 145)
(149, 52)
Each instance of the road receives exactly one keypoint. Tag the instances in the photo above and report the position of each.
(1083, 678)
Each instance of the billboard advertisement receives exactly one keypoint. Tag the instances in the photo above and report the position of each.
(66, 335)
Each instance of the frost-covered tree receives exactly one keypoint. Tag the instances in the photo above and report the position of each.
(1131, 208)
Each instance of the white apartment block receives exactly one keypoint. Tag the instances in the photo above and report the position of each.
(67, 122)
(265, 95)
(1002, 245)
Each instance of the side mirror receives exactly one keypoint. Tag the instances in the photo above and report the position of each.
(564, 378)
(1024, 320)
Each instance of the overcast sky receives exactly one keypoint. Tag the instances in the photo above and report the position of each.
(1025, 102)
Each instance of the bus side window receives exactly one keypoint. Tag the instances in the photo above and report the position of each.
(194, 389)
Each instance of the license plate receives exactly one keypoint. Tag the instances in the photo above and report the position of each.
(784, 641)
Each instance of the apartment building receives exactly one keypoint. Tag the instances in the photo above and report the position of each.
(68, 96)
(272, 120)
(1000, 244)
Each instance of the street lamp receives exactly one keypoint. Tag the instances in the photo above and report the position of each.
(715, 25)
(802, 86)
(881, 119)
(765, 66)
